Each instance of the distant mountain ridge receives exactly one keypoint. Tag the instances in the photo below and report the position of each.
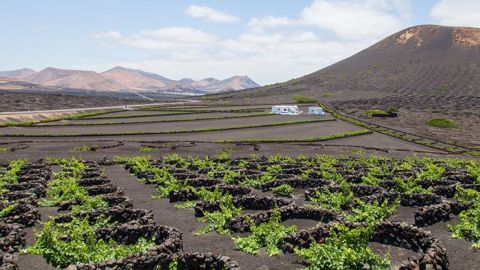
(125, 79)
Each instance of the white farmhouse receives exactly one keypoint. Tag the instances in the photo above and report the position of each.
(286, 109)
(316, 110)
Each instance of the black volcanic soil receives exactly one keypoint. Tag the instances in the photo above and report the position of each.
(12, 101)
(425, 71)
(161, 127)
(184, 220)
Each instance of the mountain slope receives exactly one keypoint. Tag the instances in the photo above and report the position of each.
(125, 79)
(134, 80)
(18, 74)
(231, 84)
(426, 71)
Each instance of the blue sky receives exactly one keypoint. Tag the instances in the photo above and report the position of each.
(270, 40)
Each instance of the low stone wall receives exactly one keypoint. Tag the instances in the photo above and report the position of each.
(241, 224)
(169, 242)
(295, 183)
(12, 238)
(205, 261)
(8, 261)
(432, 214)
(189, 194)
(249, 202)
(431, 253)
(420, 199)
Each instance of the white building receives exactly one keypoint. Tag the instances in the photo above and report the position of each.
(286, 109)
(316, 110)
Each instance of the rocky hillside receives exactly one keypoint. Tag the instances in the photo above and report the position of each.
(425, 71)
(124, 79)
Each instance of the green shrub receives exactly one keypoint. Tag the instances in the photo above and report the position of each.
(83, 244)
(344, 249)
(373, 213)
(469, 226)
(410, 185)
(303, 99)
(283, 190)
(442, 123)
(268, 235)
(378, 112)
(218, 220)
(8, 210)
(147, 149)
(18, 124)
(338, 200)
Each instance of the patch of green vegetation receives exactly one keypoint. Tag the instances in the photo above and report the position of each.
(268, 235)
(78, 116)
(147, 149)
(27, 123)
(469, 226)
(442, 123)
(303, 99)
(161, 121)
(62, 244)
(344, 249)
(64, 187)
(337, 200)
(312, 139)
(218, 220)
(172, 131)
(224, 154)
(10, 176)
(373, 213)
(327, 94)
(283, 190)
(375, 112)
(4, 149)
(8, 210)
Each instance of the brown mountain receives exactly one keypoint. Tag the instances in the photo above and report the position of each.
(18, 74)
(124, 79)
(231, 84)
(425, 71)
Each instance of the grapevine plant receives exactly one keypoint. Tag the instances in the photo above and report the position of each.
(344, 249)
(469, 226)
(62, 244)
(267, 235)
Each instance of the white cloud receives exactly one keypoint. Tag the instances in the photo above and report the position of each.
(169, 38)
(355, 19)
(273, 49)
(457, 12)
(368, 20)
(271, 21)
(266, 57)
(204, 12)
(108, 35)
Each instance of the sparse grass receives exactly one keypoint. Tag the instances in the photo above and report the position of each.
(304, 99)
(312, 139)
(327, 94)
(4, 149)
(170, 132)
(147, 149)
(27, 123)
(162, 121)
(375, 112)
(442, 123)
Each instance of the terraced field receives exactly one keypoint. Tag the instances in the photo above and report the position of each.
(230, 187)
